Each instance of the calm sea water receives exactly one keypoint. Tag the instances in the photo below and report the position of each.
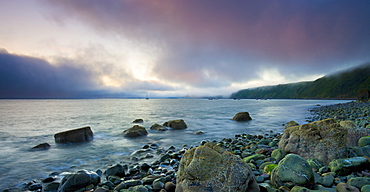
(26, 123)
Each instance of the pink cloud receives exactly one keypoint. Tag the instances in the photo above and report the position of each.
(305, 37)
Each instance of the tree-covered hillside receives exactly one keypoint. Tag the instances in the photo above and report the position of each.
(343, 85)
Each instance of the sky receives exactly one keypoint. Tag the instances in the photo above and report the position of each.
(174, 48)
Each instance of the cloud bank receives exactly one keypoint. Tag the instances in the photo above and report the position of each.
(208, 47)
(30, 77)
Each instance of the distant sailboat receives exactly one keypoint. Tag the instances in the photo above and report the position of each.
(147, 98)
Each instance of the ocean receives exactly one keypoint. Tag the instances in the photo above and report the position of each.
(27, 123)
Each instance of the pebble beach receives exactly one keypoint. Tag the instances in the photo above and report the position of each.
(155, 168)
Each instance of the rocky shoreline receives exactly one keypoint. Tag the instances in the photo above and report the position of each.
(353, 111)
(271, 167)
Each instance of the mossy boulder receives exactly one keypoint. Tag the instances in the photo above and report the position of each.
(293, 170)
(324, 140)
(212, 168)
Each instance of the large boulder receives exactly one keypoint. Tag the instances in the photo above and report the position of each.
(211, 168)
(293, 170)
(75, 135)
(242, 116)
(135, 131)
(323, 140)
(79, 180)
(176, 124)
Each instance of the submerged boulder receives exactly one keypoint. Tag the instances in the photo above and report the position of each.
(242, 116)
(75, 135)
(211, 168)
(328, 137)
(42, 146)
(176, 124)
(135, 131)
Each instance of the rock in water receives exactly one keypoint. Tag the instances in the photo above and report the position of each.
(211, 168)
(74, 136)
(242, 116)
(42, 146)
(135, 131)
(78, 180)
(293, 170)
(176, 124)
(138, 121)
(158, 127)
(323, 140)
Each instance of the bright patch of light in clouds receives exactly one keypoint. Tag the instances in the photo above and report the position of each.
(107, 81)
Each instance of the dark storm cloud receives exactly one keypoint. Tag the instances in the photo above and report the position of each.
(28, 77)
(214, 43)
